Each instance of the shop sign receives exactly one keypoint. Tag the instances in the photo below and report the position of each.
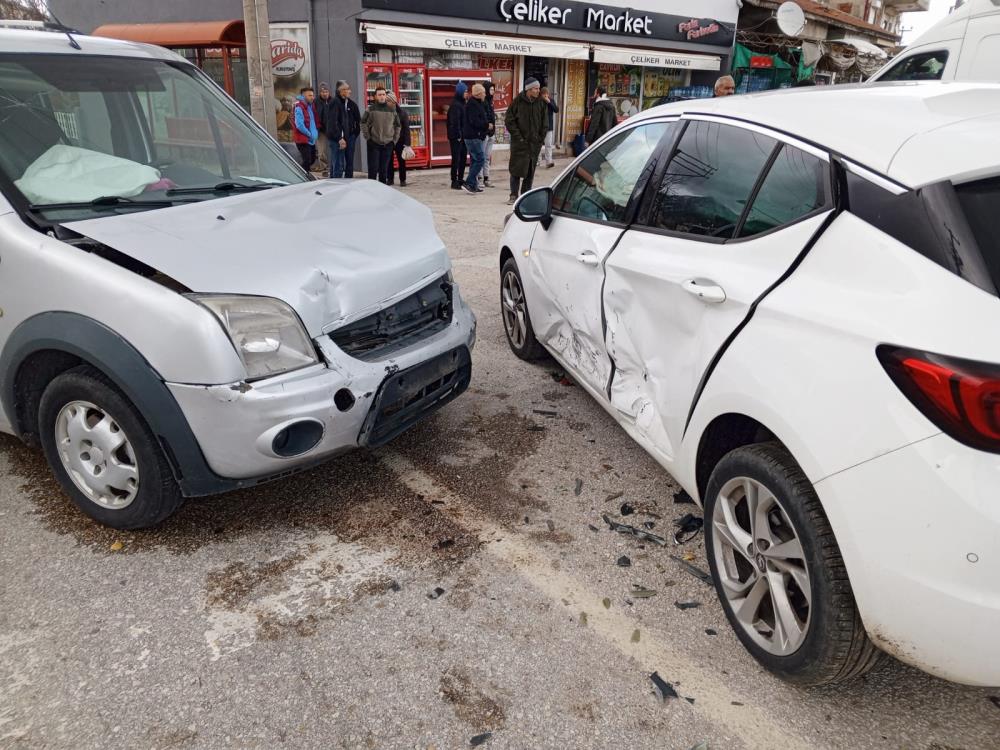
(287, 57)
(652, 59)
(761, 61)
(667, 20)
(481, 44)
(291, 70)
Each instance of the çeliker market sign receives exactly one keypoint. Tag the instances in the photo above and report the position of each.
(638, 21)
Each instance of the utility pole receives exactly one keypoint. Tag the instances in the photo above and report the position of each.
(257, 24)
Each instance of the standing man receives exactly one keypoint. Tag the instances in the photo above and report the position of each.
(550, 134)
(725, 86)
(491, 136)
(474, 132)
(342, 130)
(380, 127)
(526, 118)
(402, 143)
(324, 104)
(305, 132)
(603, 116)
(456, 122)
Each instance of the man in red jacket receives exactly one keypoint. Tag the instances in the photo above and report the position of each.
(305, 130)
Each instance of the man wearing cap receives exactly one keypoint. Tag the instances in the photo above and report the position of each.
(324, 103)
(526, 121)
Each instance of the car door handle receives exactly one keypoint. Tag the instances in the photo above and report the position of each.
(705, 289)
(588, 258)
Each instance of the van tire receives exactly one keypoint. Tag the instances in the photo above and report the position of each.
(157, 495)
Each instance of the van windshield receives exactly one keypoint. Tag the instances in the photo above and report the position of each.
(82, 137)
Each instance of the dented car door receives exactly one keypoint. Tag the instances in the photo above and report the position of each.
(590, 212)
(731, 212)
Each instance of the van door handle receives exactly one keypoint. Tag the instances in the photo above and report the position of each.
(705, 289)
(589, 258)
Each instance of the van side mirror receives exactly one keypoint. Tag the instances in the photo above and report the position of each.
(535, 206)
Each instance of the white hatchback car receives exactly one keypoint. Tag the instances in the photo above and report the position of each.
(786, 300)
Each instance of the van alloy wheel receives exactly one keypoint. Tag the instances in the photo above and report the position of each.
(513, 309)
(762, 566)
(97, 455)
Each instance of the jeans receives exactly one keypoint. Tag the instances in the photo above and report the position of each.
(379, 155)
(478, 154)
(488, 151)
(398, 150)
(342, 159)
(549, 147)
(517, 186)
(307, 155)
(458, 154)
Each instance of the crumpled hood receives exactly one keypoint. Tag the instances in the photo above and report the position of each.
(333, 250)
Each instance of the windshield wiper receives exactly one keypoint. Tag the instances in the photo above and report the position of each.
(222, 187)
(105, 201)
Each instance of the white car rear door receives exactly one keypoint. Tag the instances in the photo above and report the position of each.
(590, 213)
(726, 218)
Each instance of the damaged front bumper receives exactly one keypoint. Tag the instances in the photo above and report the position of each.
(253, 431)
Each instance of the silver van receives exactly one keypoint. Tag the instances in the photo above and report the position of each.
(183, 310)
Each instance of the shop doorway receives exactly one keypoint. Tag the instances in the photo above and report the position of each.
(551, 73)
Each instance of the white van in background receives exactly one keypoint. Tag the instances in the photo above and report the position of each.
(964, 46)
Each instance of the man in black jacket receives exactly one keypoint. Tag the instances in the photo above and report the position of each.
(402, 143)
(343, 126)
(603, 116)
(456, 122)
(324, 103)
(474, 132)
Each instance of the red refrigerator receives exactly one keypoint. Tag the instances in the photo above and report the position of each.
(410, 84)
(442, 85)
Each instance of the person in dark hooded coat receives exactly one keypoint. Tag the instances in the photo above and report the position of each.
(491, 135)
(526, 121)
(456, 124)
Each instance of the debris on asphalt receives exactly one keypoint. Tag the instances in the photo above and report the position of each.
(623, 528)
(445, 543)
(613, 496)
(579, 487)
(551, 525)
(437, 502)
(688, 528)
(436, 593)
(480, 739)
(709, 631)
(117, 547)
(735, 703)
(394, 586)
(527, 521)
(689, 556)
(545, 412)
(635, 636)
(624, 562)
(560, 378)
(689, 700)
(664, 690)
(701, 745)
(535, 428)
(649, 525)
(641, 592)
(683, 498)
(994, 700)
(593, 528)
(583, 619)
(687, 605)
(606, 603)
(693, 569)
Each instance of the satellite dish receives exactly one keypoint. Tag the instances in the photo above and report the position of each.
(791, 19)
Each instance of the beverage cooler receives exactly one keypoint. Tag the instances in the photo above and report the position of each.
(409, 82)
(442, 85)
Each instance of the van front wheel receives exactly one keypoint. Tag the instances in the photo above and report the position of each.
(103, 453)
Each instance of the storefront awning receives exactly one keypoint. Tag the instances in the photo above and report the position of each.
(652, 59)
(406, 36)
(195, 34)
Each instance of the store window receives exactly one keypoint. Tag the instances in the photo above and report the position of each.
(624, 86)
(657, 83)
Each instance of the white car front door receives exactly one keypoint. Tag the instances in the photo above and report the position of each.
(728, 216)
(590, 213)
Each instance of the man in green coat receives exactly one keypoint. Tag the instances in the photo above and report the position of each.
(526, 121)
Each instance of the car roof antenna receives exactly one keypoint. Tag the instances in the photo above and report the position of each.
(59, 26)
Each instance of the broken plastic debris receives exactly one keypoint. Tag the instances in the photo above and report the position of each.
(709, 631)
(641, 592)
(579, 487)
(689, 700)
(623, 528)
(607, 603)
(687, 528)
(592, 527)
(693, 569)
(551, 525)
(687, 605)
(701, 745)
(436, 593)
(545, 412)
(480, 739)
(664, 689)
(535, 428)
(445, 543)
(613, 496)
(560, 378)
(394, 585)
(583, 619)
(994, 700)
(117, 547)
(683, 498)
(626, 509)
(624, 561)
(635, 636)
(649, 524)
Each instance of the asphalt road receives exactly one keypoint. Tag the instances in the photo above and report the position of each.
(300, 614)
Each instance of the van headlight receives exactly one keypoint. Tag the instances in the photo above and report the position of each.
(266, 332)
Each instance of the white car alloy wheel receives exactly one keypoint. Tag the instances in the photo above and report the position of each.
(97, 455)
(761, 566)
(514, 316)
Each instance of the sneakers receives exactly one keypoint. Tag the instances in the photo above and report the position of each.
(456, 185)
(469, 188)
(550, 165)
(488, 184)
(402, 184)
(512, 200)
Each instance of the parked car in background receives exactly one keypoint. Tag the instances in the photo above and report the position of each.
(184, 311)
(793, 321)
(962, 46)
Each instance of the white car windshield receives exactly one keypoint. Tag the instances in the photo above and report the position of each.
(84, 136)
